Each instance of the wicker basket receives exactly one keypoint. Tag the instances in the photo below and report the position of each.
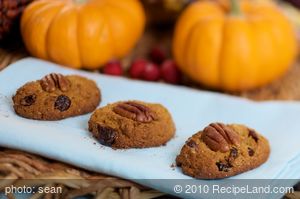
(18, 168)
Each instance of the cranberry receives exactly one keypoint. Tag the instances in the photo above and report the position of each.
(170, 72)
(151, 72)
(142, 69)
(157, 55)
(137, 67)
(113, 68)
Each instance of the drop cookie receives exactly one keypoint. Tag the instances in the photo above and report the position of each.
(132, 124)
(56, 97)
(221, 151)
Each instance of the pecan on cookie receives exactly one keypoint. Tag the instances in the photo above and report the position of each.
(135, 111)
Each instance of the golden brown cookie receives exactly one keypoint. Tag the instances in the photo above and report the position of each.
(221, 151)
(56, 97)
(132, 124)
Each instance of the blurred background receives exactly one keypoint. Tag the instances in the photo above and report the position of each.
(153, 50)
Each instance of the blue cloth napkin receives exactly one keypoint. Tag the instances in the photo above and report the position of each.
(69, 140)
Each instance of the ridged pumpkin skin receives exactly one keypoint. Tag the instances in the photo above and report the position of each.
(234, 52)
(82, 33)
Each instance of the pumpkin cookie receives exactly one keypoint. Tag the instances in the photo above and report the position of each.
(132, 124)
(56, 97)
(221, 151)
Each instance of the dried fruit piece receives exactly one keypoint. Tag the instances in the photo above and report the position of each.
(28, 100)
(191, 143)
(224, 166)
(52, 81)
(113, 68)
(62, 103)
(250, 151)
(233, 153)
(106, 135)
(135, 111)
(218, 137)
(253, 134)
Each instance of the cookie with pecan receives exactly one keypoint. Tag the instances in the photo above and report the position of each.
(132, 124)
(56, 97)
(221, 151)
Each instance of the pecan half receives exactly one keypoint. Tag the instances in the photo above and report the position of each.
(52, 81)
(218, 137)
(135, 111)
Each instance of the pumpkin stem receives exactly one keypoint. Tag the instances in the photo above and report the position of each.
(235, 7)
(79, 1)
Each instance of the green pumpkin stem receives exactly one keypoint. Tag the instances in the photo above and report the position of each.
(80, 1)
(235, 7)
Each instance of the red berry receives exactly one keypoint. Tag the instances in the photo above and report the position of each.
(137, 67)
(170, 72)
(151, 72)
(113, 68)
(157, 55)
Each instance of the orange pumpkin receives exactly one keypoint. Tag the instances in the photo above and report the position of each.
(241, 47)
(82, 33)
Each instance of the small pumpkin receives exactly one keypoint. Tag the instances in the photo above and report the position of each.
(82, 33)
(234, 45)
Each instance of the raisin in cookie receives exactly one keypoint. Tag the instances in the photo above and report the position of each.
(132, 124)
(56, 97)
(221, 151)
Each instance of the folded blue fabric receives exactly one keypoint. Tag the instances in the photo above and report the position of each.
(69, 141)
